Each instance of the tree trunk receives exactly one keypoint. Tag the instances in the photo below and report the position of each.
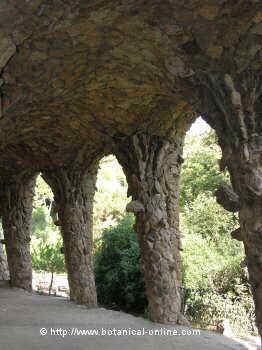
(4, 273)
(74, 191)
(16, 206)
(152, 167)
(51, 283)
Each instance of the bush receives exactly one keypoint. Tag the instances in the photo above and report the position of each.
(200, 171)
(203, 266)
(216, 286)
(207, 218)
(39, 223)
(208, 308)
(119, 281)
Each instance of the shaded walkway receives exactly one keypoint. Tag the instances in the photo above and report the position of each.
(22, 315)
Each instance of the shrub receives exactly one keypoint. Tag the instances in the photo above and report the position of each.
(209, 308)
(216, 286)
(208, 219)
(119, 281)
(200, 171)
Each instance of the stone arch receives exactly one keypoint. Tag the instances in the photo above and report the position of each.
(81, 76)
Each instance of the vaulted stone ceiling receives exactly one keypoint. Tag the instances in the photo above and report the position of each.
(75, 74)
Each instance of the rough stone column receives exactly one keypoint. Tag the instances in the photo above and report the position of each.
(245, 167)
(74, 191)
(152, 167)
(16, 210)
(232, 105)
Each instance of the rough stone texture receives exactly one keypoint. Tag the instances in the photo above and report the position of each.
(152, 166)
(4, 272)
(7, 50)
(227, 198)
(85, 71)
(80, 75)
(74, 191)
(16, 212)
(247, 177)
(135, 207)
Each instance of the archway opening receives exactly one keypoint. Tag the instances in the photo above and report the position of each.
(4, 272)
(49, 272)
(215, 278)
(119, 281)
(111, 195)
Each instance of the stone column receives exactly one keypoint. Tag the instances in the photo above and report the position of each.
(74, 190)
(232, 105)
(245, 167)
(152, 167)
(16, 207)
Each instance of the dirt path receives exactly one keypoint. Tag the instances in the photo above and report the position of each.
(23, 315)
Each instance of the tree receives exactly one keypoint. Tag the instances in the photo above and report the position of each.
(39, 223)
(110, 198)
(208, 246)
(216, 285)
(200, 171)
(48, 257)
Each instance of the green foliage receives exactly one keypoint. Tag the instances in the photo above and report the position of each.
(110, 198)
(200, 172)
(205, 266)
(42, 224)
(39, 223)
(208, 246)
(207, 218)
(119, 281)
(209, 308)
(48, 257)
(217, 287)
